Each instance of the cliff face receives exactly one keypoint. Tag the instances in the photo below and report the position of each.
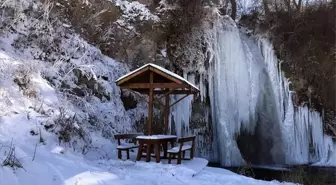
(136, 32)
(126, 31)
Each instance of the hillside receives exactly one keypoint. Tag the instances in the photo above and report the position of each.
(60, 108)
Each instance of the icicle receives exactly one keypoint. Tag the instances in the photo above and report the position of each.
(181, 112)
(317, 134)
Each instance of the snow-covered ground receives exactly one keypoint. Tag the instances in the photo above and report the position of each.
(54, 164)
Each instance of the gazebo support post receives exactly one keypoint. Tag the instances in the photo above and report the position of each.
(150, 104)
(166, 113)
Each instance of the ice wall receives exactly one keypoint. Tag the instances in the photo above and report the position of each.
(253, 116)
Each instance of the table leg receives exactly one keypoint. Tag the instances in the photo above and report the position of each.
(157, 152)
(140, 151)
(165, 148)
(148, 155)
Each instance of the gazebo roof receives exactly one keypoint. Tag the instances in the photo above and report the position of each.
(139, 80)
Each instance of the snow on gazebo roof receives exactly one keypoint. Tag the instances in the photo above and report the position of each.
(172, 74)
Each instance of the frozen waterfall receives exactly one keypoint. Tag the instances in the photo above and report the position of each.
(253, 116)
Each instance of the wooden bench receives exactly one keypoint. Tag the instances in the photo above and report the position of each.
(126, 146)
(181, 148)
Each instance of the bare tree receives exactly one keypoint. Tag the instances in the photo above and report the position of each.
(298, 5)
(265, 5)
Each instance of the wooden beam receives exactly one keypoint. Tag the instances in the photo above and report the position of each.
(153, 85)
(179, 100)
(166, 113)
(161, 92)
(165, 94)
(150, 104)
(132, 75)
(166, 75)
(177, 91)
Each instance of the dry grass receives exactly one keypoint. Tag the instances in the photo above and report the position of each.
(300, 176)
(11, 160)
(247, 170)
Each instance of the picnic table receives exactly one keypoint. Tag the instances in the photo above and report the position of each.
(154, 142)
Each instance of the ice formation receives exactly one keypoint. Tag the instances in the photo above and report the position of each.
(180, 113)
(249, 95)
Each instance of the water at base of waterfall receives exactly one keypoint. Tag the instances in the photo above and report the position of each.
(298, 174)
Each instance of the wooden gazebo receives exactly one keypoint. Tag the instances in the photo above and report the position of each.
(154, 80)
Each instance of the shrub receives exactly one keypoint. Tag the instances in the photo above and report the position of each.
(11, 160)
(69, 131)
(67, 126)
(22, 77)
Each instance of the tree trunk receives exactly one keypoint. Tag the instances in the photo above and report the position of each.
(298, 5)
(288, 4)
(266, 8)
(234, 9)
